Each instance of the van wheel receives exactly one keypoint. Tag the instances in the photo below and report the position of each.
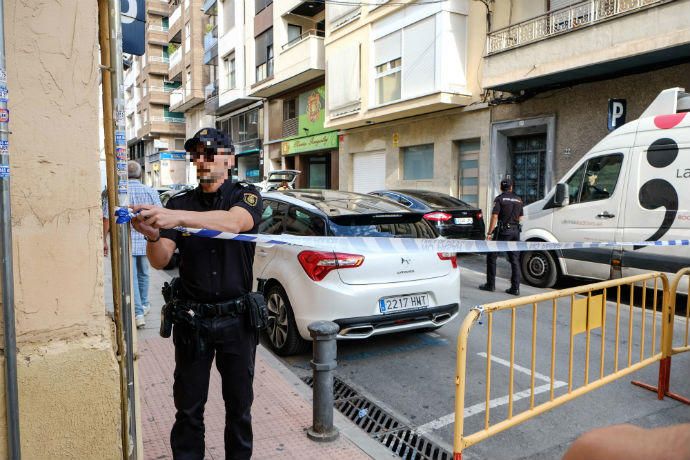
(539, 268)
(282, 330)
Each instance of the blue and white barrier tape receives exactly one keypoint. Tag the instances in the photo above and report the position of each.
(401, 245)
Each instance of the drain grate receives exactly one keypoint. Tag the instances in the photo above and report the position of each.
(398, 437)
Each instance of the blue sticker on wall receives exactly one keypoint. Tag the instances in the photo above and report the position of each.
(4, 172)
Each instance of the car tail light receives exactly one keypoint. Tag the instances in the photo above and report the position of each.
(449, 256)
(437, 216)
(317, 264)
(479, 215)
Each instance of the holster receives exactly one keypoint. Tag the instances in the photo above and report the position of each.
(170, 293)
(257, 312)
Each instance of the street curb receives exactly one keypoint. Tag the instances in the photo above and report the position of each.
(347, 429)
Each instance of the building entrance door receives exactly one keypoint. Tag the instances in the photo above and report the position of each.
(528, 161)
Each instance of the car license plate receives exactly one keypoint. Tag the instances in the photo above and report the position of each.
(403, 302)
(463, 220)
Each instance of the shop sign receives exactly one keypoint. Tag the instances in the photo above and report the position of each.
(180, 156)
(311, 107)
(307, 144)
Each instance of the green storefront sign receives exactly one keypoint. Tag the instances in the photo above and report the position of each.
(310, 118)
(307, 144)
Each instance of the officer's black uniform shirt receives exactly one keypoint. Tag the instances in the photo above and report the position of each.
(508, 206)
(215, 270)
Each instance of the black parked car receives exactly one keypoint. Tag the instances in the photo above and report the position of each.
(450, 217)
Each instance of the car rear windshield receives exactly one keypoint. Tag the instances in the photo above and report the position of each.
(280, 177)
(407, 225)
(439, 201)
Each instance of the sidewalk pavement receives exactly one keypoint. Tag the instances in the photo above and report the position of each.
(281, 414)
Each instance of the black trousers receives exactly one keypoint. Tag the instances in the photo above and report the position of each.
(513, 257)
(234, 347)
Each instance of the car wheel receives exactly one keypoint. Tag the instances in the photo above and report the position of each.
(539, 268)
(282, 330)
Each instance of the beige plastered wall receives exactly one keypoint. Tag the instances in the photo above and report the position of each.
(67, 371)
(443, 130)
(581, 110)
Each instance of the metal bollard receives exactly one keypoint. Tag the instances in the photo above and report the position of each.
(324, 363)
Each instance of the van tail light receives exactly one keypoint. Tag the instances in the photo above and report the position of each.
(318, 264)
(449, 256)
(479, 215)
(437, 216)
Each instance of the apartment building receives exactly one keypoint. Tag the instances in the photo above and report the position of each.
(270, 89)
(553, 66)
(151, 125)
(188, 29)
(402, 86)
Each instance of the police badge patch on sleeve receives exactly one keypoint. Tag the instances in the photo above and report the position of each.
(250, 199)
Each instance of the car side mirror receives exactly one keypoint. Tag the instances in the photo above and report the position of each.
(562, 197)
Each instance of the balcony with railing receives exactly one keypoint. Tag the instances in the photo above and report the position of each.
(211, 46)
(211, 96)
(175, 25)
(594, 36)
(209, 7)
(175, 64)
(157, 65)
(158, 7)
(183, 98)
(157, 35)
(299, 61)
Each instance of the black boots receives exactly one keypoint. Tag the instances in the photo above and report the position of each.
(487, 287)
(513, 291)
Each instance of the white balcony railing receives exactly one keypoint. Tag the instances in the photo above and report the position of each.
(175, 58)
(153, 28)
(175, 16)
(163, 59)
(167, 120)
(177, 97)
(561, 21)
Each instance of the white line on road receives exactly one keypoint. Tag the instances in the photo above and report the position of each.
(481, 407)
(524, 370)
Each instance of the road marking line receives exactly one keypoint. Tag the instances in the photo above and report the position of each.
(503, 400)
(481, 407)
(524, 370)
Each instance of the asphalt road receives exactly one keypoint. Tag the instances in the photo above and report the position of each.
(412, 375)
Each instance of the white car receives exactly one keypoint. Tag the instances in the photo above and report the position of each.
(366, 294)
(277, 177)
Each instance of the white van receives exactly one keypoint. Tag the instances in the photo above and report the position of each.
(634, 185)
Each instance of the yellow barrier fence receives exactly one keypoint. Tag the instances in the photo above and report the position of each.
(593, 314)
(673, 344)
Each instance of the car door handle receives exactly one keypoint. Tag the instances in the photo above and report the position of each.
(606, 215)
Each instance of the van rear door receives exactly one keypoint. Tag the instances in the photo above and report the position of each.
(596, 190)
(658, 202)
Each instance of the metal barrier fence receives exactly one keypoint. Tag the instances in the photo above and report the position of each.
(589, 311)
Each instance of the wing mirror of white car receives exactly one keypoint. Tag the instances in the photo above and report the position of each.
(562, 198)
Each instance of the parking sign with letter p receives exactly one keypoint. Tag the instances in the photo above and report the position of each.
(617, 110)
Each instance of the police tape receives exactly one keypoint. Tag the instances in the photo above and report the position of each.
(402, 244)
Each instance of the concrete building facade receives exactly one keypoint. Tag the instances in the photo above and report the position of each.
(152, 126)
(552, 67)
(66, 359)
(188, 29)
(402, 88)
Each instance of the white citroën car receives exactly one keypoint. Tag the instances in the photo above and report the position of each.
(366, 294)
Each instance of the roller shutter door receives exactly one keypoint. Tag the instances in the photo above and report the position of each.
(369, 171)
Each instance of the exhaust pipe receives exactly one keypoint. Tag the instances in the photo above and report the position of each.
(441, 318)
(361, 332)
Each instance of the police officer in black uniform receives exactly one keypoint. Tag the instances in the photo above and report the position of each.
(505, 226)
(215, 277)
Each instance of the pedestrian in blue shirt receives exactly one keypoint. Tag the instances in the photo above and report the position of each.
(138, 194)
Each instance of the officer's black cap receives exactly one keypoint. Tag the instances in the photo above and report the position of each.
(506, 184)
(211, 138)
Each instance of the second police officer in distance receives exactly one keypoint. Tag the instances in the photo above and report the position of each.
(505, 226)
(215, 279)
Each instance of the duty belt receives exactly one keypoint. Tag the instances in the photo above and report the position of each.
(212, 310)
